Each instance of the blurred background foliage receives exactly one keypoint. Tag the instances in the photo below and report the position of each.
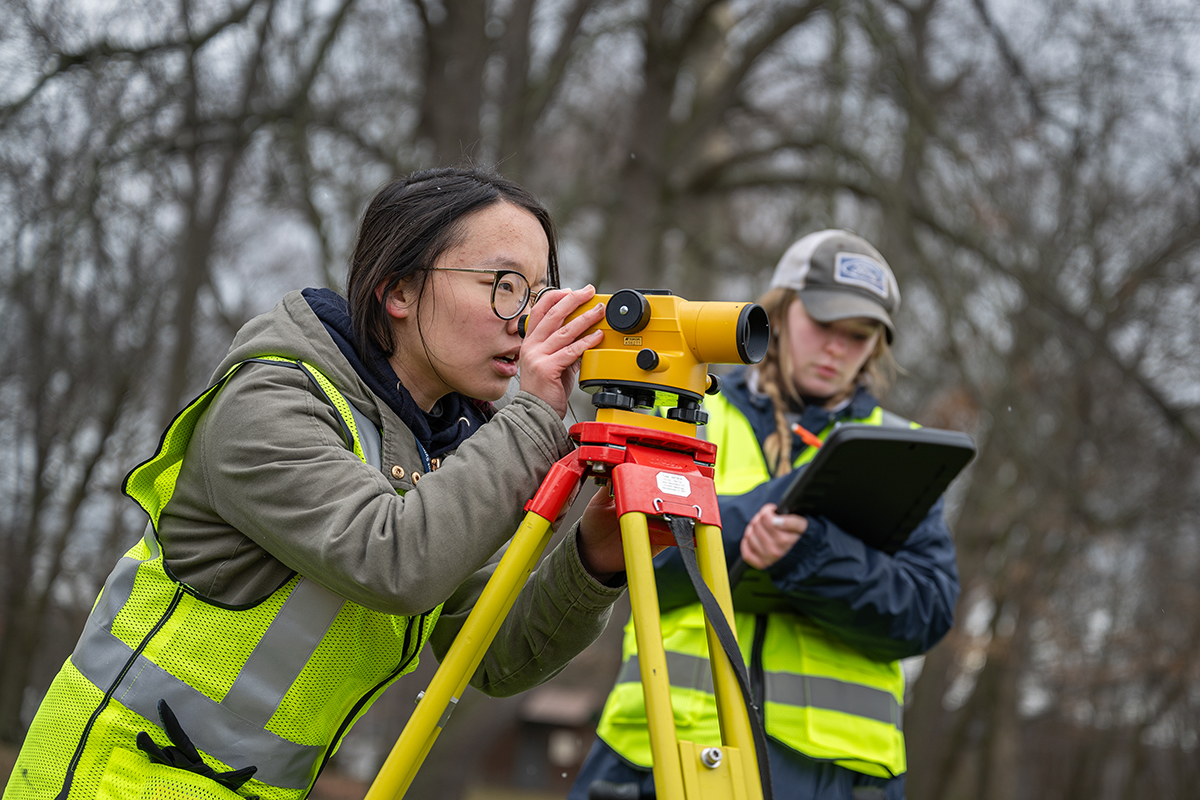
(168, 168)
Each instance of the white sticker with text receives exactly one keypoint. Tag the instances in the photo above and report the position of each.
(670, 483)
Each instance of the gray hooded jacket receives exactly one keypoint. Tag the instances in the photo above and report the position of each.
(269, 488)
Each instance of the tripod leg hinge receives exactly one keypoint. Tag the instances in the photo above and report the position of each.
(558, 485)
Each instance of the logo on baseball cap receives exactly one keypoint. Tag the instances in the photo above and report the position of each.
(839, 275)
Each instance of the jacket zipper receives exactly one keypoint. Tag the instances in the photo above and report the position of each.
(87, 729)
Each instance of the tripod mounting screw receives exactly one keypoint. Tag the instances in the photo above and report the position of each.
(711, 757)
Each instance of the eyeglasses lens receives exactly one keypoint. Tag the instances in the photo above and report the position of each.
(509, 294)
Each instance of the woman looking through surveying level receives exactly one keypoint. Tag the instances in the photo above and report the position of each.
(823, 657)
(343, 486)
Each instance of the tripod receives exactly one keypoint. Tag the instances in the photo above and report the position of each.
(658, 470)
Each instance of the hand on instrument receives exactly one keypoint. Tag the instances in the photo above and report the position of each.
(551, 351)
(770, 535)
(600, 547)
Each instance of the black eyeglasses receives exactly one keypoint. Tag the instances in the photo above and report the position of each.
(510, 290)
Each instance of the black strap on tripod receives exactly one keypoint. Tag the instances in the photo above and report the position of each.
(684, 531)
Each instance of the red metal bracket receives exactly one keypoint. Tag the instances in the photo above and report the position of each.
(654, 472)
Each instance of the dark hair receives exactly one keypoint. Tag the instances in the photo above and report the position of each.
(410, 222)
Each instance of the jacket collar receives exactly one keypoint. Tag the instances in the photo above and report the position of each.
(456, 417)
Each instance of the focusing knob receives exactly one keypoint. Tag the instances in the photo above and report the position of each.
(628, 311)
(714, 384)
(647, 359)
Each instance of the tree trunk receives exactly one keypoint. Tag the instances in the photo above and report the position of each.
(631, 247)
(16, 660)
(456, 54)
(926, 721)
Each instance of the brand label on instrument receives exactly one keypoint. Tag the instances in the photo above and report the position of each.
(670, 483)
(633, 341)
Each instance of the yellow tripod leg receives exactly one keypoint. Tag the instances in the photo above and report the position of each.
(462, 659)
(643, 598)
(731, 708)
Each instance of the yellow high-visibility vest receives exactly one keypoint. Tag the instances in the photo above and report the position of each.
(275, 684)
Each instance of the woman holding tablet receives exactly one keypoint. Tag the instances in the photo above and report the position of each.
(823, 654)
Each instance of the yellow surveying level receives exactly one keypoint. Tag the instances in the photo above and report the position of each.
(659, 472)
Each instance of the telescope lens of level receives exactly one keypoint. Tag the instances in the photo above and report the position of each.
(753, 333)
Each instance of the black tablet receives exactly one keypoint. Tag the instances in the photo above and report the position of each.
(874, 483)
(878, 483)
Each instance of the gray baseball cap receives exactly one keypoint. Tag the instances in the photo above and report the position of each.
(839, 275)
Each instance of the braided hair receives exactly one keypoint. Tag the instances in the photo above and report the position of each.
(777, 381)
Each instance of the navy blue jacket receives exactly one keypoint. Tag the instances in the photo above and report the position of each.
(887, 606)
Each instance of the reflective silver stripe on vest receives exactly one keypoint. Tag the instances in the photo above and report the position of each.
(219, 729)
(117, 589)
(282, 652)
(786, 688)
(369, 439)
(833, 695)
(889, 420)
(150, 538)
